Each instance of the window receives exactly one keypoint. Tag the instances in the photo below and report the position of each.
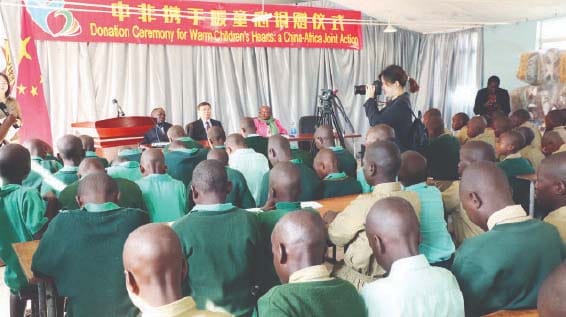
(552, 33)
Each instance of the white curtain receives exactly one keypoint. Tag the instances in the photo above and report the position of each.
(81, 79)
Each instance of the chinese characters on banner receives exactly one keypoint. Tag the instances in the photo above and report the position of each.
(196, 23)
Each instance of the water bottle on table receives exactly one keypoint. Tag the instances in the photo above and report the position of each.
(293, 130)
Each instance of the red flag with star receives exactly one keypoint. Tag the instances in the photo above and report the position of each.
(29, 88)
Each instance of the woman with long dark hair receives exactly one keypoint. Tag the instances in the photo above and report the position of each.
(397, 112)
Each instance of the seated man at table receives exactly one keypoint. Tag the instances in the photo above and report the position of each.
(552, 143)
(493, 269)
(550, 301)
(334, 182)
(380, 132)
(22, 218)
(324, 139)
(181, 160)
(279, 150)
(130, 194)
(164, 196)
(442, 152)
(413, 287)
(478, 131)
(436, 243)
(82, 250)
(240, 195)
(71, 152)
(198, 129)
(253, 140)
(550, 191)
(223, 269)
(216, 138)
(38, 153)
(123, 168)
(508, 146)
(88, 147)
(533, 154)
(155, 267)
(382, 162)
(459, 128)
(298, 246)
(251, 164)
(177, 133)
(266, 125)
(159, 132)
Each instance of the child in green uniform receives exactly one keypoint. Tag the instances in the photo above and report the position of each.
(130, 193)
(221, 243)
(298, 245)
(508, 146)
(240, 195)
(279, 150)
(22, 218)
(38, 152)
(177, 133)
(181, 160)
(123, 168)
(88, 147)
(71, 152)
(442, 152)
(334, 182)
(216, 137)
(324, 138)
(253, 140)
(82, 250)
(164, 196)
(503, 268)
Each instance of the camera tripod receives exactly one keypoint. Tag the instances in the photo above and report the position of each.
(325, 114)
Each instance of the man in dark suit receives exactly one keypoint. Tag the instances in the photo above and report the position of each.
(492, 98)
(159, 132)
(197, 129)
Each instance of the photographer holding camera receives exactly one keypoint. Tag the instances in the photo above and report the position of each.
(397, 112)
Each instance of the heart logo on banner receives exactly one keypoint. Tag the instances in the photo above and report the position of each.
(52, 17)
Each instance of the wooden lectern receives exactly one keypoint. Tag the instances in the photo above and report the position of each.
(110, 134)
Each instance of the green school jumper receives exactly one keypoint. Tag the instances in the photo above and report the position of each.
(512, 168)
(181, 163)
(68, 175)
(346, 161)
(82, 251)
(329, 298)
(311, 185)
(222, 246)
(302, 156)
(34, 179)
(339, 184)
(129, 170)
(258, 143)
(189, 143)
(22, 215)
(130, 195)
(502, 269)
(90, 154)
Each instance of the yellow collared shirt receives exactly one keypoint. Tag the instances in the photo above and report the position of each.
(184, 307)
(509, 214)
(316, 273)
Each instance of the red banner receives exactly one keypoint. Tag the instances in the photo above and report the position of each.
(195, 23)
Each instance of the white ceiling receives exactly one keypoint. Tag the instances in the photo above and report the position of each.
(447, 15)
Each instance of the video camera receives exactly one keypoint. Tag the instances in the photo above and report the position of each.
(361, 89)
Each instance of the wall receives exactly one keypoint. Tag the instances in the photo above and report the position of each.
(502, 47)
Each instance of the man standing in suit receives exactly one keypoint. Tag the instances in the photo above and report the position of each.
(492, 98)
(159, 132)
(197, 129)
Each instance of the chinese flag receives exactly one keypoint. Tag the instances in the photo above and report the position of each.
(29, 88)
